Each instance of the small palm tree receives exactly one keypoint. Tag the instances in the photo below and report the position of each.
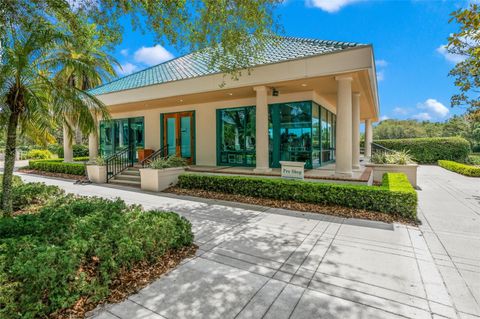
(30, 98)
(83, 66)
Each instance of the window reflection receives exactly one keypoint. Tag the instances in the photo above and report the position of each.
(119, 133)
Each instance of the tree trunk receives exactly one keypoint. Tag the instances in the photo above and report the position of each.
(10, 149)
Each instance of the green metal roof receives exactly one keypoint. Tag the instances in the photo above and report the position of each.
(196, 64)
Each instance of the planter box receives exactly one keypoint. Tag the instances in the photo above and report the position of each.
(97, 174)
(157, 180)
(379, 169)
(143, 153)
(293, 170)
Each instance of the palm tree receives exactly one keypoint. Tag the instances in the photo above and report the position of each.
(84, 65)
(30, 98)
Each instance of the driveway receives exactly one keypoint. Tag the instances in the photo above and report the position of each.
(255, 262)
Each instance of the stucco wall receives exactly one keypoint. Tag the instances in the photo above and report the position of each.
(205, 120)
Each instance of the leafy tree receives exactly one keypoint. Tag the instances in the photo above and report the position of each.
(30, 98)
(466, 43)
(226, 25)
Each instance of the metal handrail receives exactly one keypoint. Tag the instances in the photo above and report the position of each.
(380, 148)
(160, 153)
(119, 161)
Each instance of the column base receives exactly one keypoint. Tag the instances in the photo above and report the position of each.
(357, 166)
(262, 170)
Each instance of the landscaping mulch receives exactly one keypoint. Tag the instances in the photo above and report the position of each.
(50, 174)
(339, 211)
(127, 282)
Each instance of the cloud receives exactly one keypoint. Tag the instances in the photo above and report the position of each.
(380, 75)
(422, 116)
(330, 6)
(381, 63)
(400, 111)
(152, 55)
(124, 52)
(434, 108)
(450, 57)
(384, 117)
(126, 68)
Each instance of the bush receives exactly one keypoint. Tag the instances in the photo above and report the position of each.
(474, 159)
(396, 157)
(15, 182)
(57, 166)
(430, 150)
(39, 154)
(79, 150)
(73, 249)
(395, 196)
(464, 169)
(169, 162)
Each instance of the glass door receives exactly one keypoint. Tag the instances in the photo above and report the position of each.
(178, 134)
(117, 134)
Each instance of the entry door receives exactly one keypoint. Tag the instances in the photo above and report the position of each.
(178, 134)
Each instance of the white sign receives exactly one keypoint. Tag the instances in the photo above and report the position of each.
(293, 170)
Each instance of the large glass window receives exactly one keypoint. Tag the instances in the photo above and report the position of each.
(301, 131)
(236, 136)
(119, 133)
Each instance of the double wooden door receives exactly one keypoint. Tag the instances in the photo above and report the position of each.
(178, 134)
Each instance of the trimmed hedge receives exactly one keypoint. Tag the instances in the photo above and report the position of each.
(58, 166)
(464, 169)
(73, 248)
(430, 150)
(79, 150)
(396, 195)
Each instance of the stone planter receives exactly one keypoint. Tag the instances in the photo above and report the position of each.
(379, 169)
(97, 173)
(157, 180)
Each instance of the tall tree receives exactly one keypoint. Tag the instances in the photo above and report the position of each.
(228, 25)
(466, 43)
(30, 98)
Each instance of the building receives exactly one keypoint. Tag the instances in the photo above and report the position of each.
(303, 100)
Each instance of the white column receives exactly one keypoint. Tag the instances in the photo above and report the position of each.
(343, 161)
(67, 145)
(368, 138)
(92, 146)
(356, 131)
(261, 135)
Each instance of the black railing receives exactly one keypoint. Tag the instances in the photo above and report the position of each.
(377, 148)
(120, 161)
(160, 153)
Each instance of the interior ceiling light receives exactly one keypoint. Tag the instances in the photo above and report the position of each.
(304, 84)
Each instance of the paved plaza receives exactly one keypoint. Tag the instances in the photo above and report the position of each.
(257, 262)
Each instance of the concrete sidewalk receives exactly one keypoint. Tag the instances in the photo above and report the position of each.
(450, 212)
(257, 262)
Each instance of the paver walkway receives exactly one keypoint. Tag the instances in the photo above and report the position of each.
(270, 263)
(450, 212)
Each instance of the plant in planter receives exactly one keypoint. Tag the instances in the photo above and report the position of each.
(393, 162)
(162, 173)
(97, 170)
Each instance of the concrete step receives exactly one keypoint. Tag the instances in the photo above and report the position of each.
(133, 183)
(131, 172)
(127, 177)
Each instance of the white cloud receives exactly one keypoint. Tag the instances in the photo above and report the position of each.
(330, 6)
(450, 57)
(434, 108)
(380, 75)
(381, 63)
(126, 68)
(400, 111)
(422, 116)
(384, 117)
(152, 55)
(124, 52)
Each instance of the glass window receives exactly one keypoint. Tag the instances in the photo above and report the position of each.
(119, 133)
(316, 147)
(236, 140)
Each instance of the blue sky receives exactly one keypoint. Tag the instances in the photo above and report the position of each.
(407, 37)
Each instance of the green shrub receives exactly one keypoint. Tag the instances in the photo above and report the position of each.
(464, 169)
(395, 157)
(430, 150)
(474, 159)
(74, 247)
(15, 182)
(57, 166)
(169, 162)
(395, 196)
(79, 150)
(27, 194)
(39, 154)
